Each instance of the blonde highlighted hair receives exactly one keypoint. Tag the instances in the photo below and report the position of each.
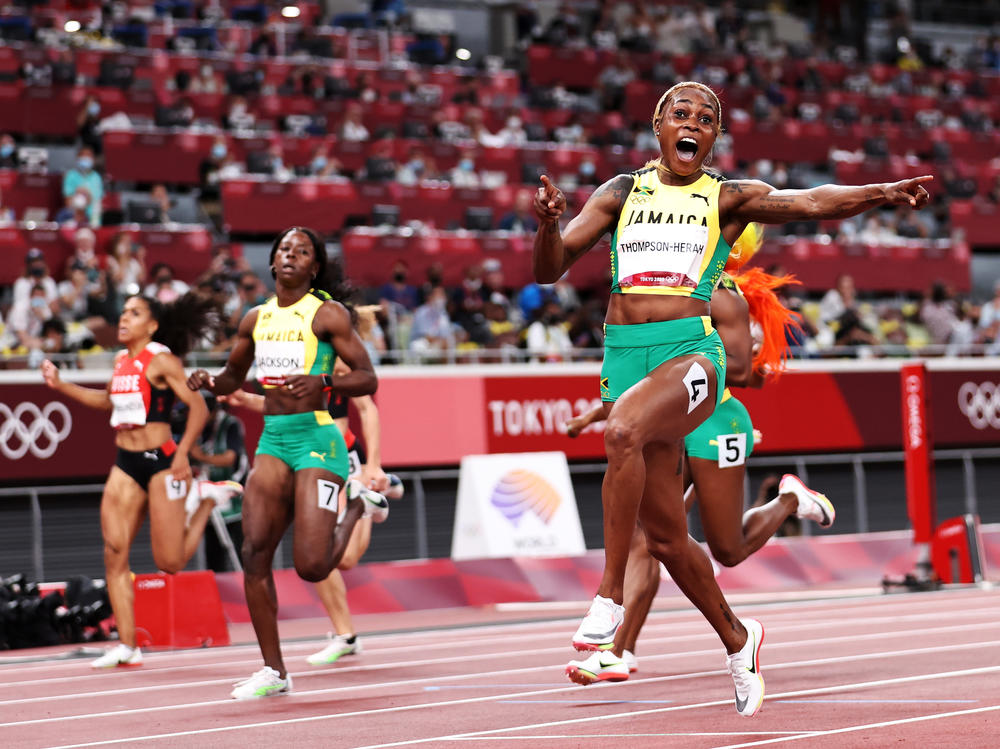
(658, 112)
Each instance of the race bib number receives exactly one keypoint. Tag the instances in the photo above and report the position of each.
(353, 463)
(127, 409)
(696, 382)
(732, 449)
(328, 495)
(176, 489)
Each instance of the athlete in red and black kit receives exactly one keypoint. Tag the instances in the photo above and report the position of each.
(147, 377)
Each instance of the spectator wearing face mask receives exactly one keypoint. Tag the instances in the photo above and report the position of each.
(6, 212)
(218, 165)
(464, 174)
(83, 175)
(323, 164)
(28, 317)
(419, 167)
(398, 291)
(164, 287)
(8, 152)
(521, 217)
(87, 120)
(36, 272)
(432, 328)
(84, 254)
(586, 173)
(546, 338)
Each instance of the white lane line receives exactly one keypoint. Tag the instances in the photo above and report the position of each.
(685, 734)
(662, 621)
(572, 721)
(464, 657)
(869, 726)
(393, 665)
(701, 633)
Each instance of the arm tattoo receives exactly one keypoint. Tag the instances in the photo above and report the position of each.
(776, 202)
(617, 188)
(734, 187)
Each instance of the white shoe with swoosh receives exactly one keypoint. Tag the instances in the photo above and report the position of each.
(744, 667)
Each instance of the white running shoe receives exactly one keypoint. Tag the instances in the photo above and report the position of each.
(340, 645)
(629, 657)
(598, 628)
(745, 669)
(376, 506)
(121, 655)
(603, 665)
(812, 505)
(395, 490)
(264, 683)
(220, 492)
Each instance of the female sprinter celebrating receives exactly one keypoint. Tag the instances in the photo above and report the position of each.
(672, 227)
(716, 454)
(147, 376)
(301, 460)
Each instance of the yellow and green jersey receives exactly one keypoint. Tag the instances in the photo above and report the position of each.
(667, 239)
(284, 342)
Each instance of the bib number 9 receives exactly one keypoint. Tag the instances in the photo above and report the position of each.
(732, 449)
(176, 489)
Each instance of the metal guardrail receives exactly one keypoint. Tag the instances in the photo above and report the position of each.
(418, 495)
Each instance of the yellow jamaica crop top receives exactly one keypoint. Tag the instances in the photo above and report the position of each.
(284, 342)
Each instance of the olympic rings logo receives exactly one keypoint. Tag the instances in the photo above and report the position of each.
(981, 404)
(26, 434)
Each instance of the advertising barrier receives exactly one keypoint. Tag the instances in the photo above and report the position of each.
(516, 505)
(435, 415)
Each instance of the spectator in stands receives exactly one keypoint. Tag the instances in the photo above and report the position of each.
(513, 132)
(75, 213)
(907, 225)
(217, 166)
(532, 297)
(366, 91)
(432, 329)
(64, 68)
(238, 116)
(352, 128)
(839, 299)
(478, 130)
(731, 27)
(546, 338)
(571, 133)
(84, 175)
(469, 297)
(467, 91)
(370, 332)
(164, 287)
(36, 273)
(87, 119)
(963, 334)
(612, 81)
(398, 291)
(6, 212)
(586, 328)
(586, 172)
(8, 152)
(126, 264)
(954, 184)
(420, 166)
(84, 252)
(989, 321)
(74, 294)
(206, 81)
(939, 312)
(464, 173)
(27, 318)
(521, 218)
(446, 127)
(263, 45)
(322, 163)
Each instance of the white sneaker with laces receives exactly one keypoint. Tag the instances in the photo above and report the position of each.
(338, 647)
(598, 628)
(603, 665)
(264, 683)
(744, 667)
(376, 506)
(630, 660)
(121, 655)
(220, 492)
(812, 505)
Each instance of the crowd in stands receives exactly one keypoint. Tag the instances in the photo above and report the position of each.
(239, 75)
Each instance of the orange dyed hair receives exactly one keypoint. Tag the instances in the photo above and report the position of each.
(772, 316)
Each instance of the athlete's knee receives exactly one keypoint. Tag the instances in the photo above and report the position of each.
(621, 438)
(727, 556)
(256, 557)
(666, 549)
(115, 556)
(313, 570)
(169, 563)
(348, 561)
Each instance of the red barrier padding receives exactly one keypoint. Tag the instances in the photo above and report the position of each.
(957, 551)
(179, 611)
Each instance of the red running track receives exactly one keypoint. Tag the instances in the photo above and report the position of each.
(855, 668)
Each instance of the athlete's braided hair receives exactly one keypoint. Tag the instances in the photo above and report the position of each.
(330, 275)
(184, 322)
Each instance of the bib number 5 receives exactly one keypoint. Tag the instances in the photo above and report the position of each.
(732, 449)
